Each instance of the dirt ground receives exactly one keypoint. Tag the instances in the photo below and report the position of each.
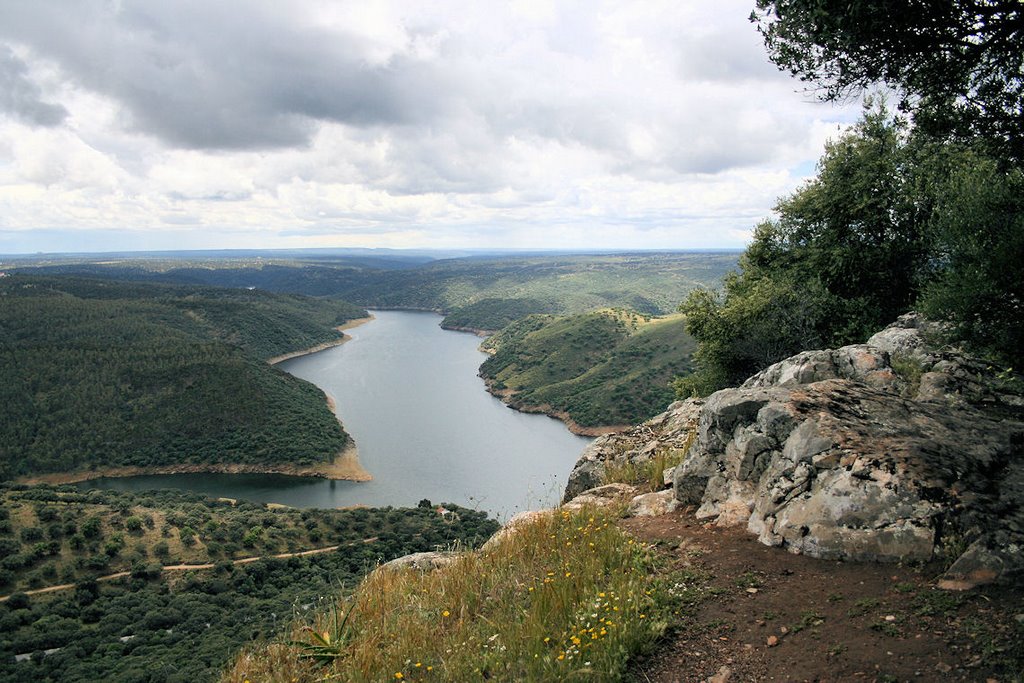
(748, 612)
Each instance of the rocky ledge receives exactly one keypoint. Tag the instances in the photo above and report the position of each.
(893, 450)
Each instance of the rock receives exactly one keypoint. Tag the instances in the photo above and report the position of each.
(836, 455)
(601, 496)
(772, 641)
(652, 504)
(669, 476)
(671, 430)
(518, 521)
(427, 561)
(977, 566)
(723, 676)
(589, 470)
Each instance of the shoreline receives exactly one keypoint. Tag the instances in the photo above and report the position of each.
(472, 330)
(506, 395)
(345, 467)
(324, 346)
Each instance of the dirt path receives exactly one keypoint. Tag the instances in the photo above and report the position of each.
(181, 568)
(763, 614)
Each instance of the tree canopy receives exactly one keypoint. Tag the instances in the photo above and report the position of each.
(958, 63)
(893, 220)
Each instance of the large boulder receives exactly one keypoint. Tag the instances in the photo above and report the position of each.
(897, 449)
(671, 430)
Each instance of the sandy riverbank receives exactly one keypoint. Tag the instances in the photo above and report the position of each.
(472, 330)
(326, 345)
(345, 467)
(507, 395)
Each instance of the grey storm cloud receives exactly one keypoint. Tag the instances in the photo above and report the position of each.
(21, 97)
(221, 75)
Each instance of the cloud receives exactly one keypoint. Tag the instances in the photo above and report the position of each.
(354, 122)
(227, 75)
(21, 97)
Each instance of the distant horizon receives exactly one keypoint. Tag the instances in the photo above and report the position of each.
(410, 251)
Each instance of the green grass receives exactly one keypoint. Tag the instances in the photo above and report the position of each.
(567, 596)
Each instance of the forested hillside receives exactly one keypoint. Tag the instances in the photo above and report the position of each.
(609, 367)
(478, 292)
(102, 373)
(181, 626)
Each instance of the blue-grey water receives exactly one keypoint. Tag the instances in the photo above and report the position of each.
(425, 427)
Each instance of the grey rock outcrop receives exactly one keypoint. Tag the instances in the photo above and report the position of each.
(652, 504)
(669, 430)
(601, 496)
(839, 454)
(896, 449)
(424, 562)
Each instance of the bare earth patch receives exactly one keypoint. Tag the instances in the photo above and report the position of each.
(764, 614)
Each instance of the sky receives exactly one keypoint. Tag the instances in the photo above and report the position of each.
(197, 124)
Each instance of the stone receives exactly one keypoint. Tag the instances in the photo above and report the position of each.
(826, 454)
(516, 522)
(669, 476)
(669, 431)
(427, 561)
(723, 675)
(835, 454)
(652, 504)
(772, 641)
(977, 566)
(601, 496)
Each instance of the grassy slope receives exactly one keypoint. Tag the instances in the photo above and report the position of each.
(565, 597)
(126, 374)
(602, 368)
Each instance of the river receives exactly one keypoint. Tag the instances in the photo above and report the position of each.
(425, 427)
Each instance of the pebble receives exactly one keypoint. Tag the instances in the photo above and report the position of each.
(773, 641)
(751, 590)
(723, 675)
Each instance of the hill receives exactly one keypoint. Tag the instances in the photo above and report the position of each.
(480, 292)
(114, 374)
(609, 367)
(169, 624)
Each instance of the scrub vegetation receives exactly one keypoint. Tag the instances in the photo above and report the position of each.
(609, 367)
(182, 626)
(484, 293)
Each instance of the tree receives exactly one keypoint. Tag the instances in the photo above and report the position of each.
(978, 233)
(958, 63)
(842, 260)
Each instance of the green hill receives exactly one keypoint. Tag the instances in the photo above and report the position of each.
(114, 374)
(175, 625)
(609, 367)
(478, 292)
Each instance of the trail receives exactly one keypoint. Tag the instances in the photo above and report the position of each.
(180, 568)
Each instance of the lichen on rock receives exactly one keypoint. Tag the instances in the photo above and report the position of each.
(847, 454)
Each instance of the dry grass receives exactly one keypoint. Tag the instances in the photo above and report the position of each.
(566, 597)
(648, 475)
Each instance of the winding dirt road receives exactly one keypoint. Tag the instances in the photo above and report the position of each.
(180, 568)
